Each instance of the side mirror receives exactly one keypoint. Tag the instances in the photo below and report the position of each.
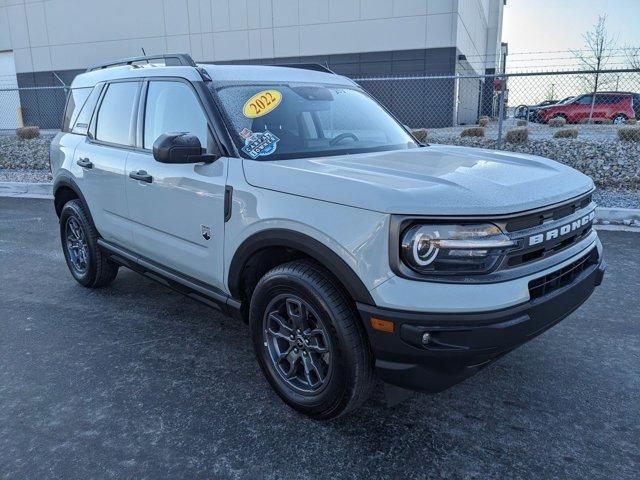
(180, 147)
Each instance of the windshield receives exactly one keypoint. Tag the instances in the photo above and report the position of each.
(281, 121)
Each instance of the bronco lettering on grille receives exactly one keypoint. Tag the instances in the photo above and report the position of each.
(561, 231)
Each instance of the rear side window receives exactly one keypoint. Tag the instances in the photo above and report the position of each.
(75, 101)
(113, 124)
(610, 99)
(81, 124)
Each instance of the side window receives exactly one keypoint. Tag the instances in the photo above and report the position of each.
(173, 107)
(81, 124)
(113, 124)
(586, 100)
(76, 99)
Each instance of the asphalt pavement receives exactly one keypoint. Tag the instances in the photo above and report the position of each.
(137, 381)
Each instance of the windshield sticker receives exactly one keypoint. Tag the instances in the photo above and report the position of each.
(258, 144)
(262, 103)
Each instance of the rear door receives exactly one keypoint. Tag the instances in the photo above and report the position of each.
(602, 106)
(102, 157)
(177, 214)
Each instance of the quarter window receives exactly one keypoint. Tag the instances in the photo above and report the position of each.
(173, 107)
(75, 101)
(116, 113)
(81, 124)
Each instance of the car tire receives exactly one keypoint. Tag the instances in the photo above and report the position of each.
(619, 119)
(86, 262)
(560, 116)
(309, 341)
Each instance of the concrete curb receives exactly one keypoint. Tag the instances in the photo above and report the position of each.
(26, 190)
(604, 215)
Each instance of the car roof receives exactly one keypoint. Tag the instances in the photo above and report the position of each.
(614, 93)
(218, 73)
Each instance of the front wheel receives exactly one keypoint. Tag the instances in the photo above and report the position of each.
(309, 341)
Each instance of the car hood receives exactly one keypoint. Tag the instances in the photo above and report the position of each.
(434, 180)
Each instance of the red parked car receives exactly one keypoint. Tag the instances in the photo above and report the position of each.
(615, 106)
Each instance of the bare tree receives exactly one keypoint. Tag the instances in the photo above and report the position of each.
(598, 48)
(633, 56)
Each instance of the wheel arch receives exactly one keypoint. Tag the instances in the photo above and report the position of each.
(65, 189)
(298, 245)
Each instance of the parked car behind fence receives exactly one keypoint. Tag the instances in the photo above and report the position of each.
(617, 107)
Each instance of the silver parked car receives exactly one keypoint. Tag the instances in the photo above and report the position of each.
(288, 197)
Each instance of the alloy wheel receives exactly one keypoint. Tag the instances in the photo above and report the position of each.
(298, 343)
(77, 246)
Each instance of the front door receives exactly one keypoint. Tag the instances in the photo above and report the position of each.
(177, 211)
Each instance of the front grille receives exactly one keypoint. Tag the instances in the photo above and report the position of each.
(526, 226)
(539, 218)
(519, 258)
(563, 277)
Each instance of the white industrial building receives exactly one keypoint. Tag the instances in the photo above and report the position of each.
(46, 42)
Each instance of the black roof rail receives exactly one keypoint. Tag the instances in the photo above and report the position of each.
(306, 66)
(170, 60)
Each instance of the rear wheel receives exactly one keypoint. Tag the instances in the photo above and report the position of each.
(619, 119)
(309, 341)
(86, 262)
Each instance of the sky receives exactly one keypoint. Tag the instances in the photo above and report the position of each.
(557, 25)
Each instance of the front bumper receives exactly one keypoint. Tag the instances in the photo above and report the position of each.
(461, 344)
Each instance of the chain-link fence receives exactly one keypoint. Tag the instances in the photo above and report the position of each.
(448, 104)
(39, 106)
(442, 104)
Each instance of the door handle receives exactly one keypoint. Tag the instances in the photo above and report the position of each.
(85, 163)
(142, 176)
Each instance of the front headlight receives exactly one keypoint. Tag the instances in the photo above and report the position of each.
(453, 249)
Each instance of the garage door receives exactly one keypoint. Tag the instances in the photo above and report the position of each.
(9, 97)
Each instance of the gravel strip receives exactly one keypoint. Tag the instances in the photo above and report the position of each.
(25, 175)
(25, 154)
(617, 198)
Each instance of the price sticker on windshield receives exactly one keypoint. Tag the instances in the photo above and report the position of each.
(262, 103)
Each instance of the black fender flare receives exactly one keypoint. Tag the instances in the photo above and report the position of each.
(309, 246)
(66, 180)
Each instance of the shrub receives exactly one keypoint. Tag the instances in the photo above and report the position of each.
(566, 133)
(629, 134)
(472, 132)
(522, 123)
(556, 122)
(26, 133)
(631, 121)
(517, 135)
(420, 134)
(483, 121)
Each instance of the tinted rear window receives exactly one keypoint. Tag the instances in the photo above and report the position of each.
(116, 113)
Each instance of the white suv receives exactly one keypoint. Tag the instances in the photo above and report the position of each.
(288, 197)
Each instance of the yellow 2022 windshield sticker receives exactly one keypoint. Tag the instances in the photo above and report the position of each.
(262, 103)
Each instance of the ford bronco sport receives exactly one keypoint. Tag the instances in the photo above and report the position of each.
(288, 197)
